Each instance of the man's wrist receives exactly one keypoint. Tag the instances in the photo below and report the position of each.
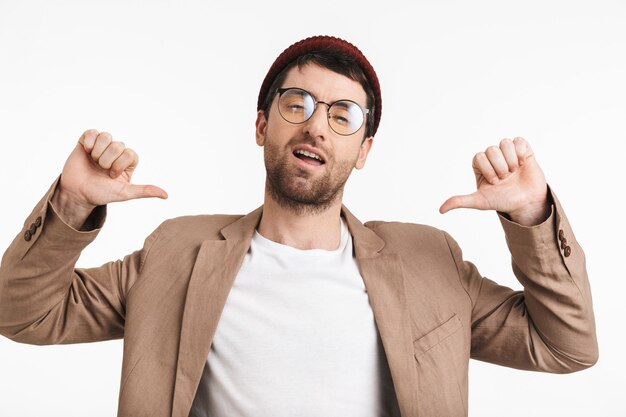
(69, 210)
(535, 213)
(532, 216)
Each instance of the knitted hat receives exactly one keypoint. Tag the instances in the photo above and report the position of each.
(316, 43)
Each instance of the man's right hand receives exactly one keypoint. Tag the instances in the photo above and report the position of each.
(96, 173)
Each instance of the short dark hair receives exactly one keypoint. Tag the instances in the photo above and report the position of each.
(333, 60)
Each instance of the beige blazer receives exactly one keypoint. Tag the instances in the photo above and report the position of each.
(433, 309)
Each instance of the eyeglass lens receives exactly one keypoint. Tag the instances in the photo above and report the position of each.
(297, 106)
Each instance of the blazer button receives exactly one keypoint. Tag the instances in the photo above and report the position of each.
(38, 221)
(564, 244)
(567, 251)
(27, 235)
(561, 234)
(32, 229)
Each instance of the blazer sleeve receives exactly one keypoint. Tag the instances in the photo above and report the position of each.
(44, 299)
(549, 326)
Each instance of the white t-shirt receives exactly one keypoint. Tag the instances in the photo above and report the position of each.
(297, 337)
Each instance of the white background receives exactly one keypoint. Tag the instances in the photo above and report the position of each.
(178, 82)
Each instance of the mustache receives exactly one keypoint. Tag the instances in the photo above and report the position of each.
(307, 140)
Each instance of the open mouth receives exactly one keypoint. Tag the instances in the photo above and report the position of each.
(308, 158)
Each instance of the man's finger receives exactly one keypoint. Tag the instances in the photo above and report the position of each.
(134, 191)
(473, 201)
(87, 139)
(103, 140)
(508, 150)
(127, 161)
(110, 154)
(523, 150)
(497, 161)
(482, 166)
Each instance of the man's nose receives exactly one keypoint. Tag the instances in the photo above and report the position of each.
(317, 125)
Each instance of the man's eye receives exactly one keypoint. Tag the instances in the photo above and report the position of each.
(341, 120)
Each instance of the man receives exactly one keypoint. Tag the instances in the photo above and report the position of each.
(297, 308)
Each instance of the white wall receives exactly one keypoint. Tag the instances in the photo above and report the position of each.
(178, 81)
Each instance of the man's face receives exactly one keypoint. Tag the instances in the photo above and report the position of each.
(296, 181)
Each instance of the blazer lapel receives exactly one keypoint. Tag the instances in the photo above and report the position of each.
(214, 272)
(384, 281)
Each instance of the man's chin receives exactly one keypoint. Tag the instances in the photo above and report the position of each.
(298, 197)
(294, 199)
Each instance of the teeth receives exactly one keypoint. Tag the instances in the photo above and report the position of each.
(309, 154)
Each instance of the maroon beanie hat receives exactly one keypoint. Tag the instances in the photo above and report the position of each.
(316, 43)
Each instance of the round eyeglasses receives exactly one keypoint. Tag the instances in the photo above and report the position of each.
(345, 117)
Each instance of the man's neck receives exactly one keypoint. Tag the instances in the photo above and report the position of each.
(302, 231)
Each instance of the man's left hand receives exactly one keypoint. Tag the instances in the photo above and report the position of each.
(508, 180)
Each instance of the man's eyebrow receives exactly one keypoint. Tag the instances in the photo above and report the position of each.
(300, 90)
(342, 103)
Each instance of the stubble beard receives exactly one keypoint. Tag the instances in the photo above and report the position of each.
(297, 189)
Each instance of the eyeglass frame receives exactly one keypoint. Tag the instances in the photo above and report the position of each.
(364, 111)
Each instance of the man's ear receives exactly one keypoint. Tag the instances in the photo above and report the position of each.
(364, 150)
(261, 126)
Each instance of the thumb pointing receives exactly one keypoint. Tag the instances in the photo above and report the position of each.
(134, 191)
(462, 201)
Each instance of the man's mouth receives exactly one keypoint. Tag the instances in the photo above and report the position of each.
(308, 158)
